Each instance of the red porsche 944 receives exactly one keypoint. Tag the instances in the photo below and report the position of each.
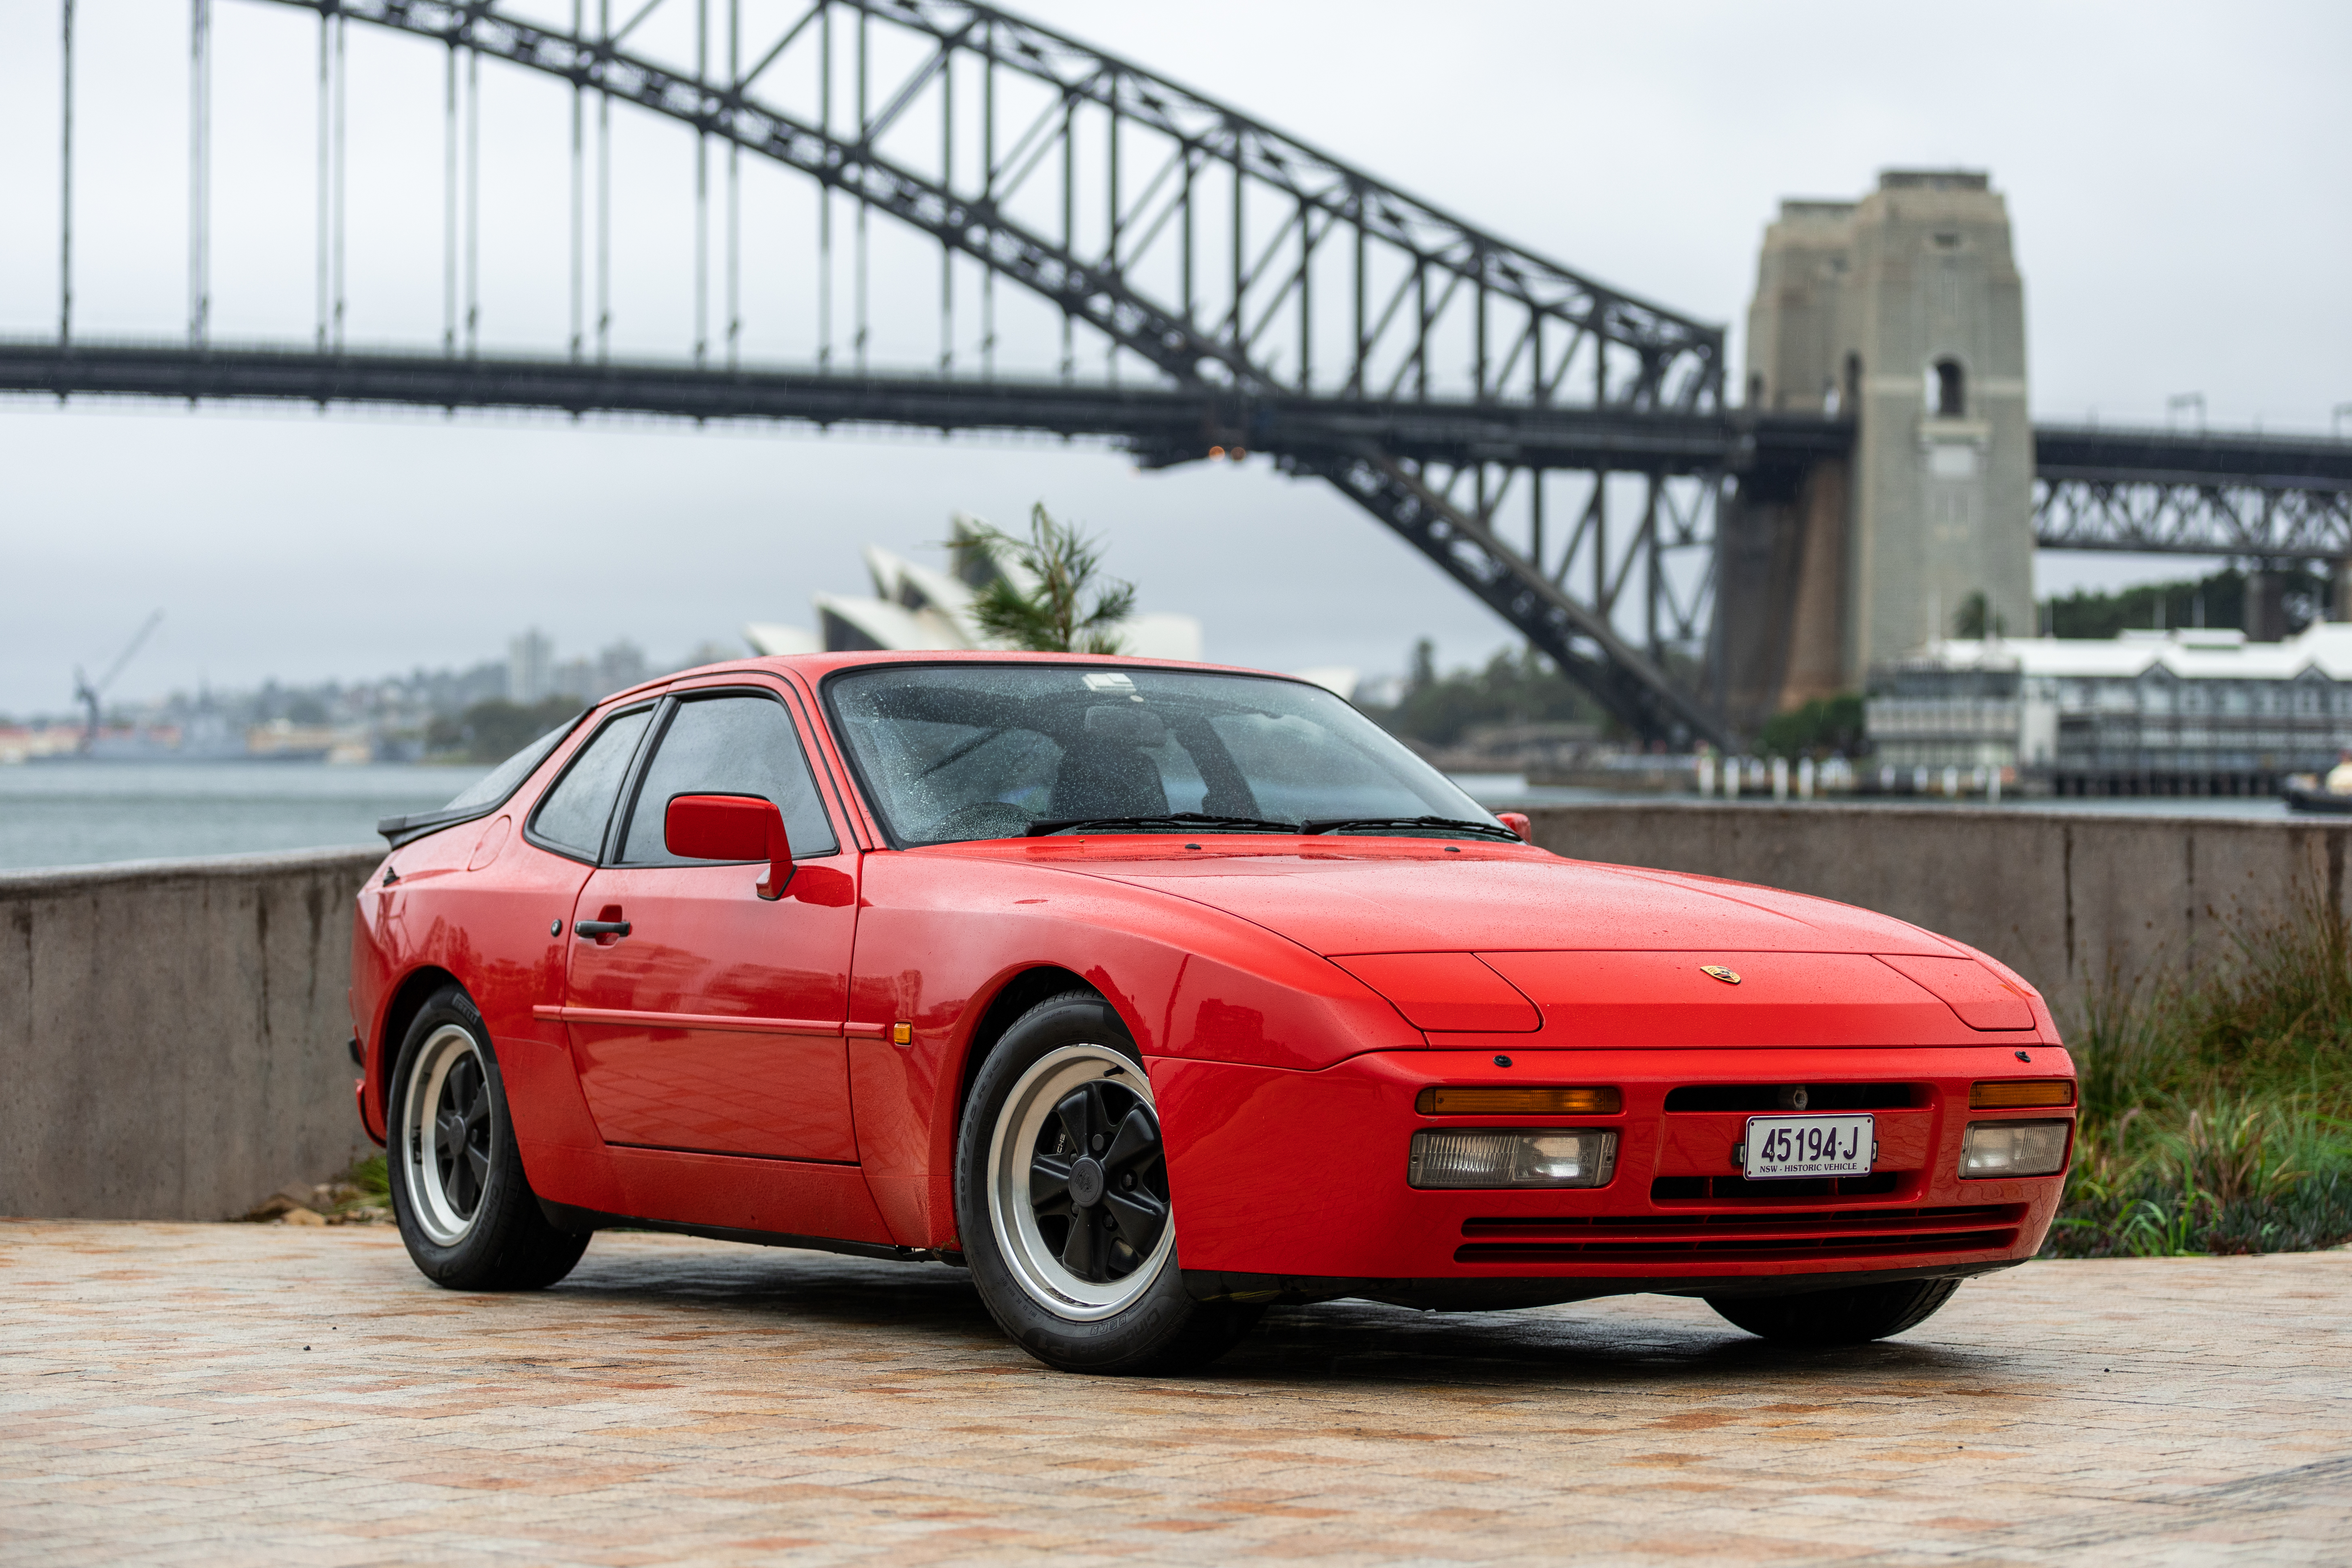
(1152, 993)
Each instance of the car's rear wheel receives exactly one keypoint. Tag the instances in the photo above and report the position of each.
(1062, 1201)
(465, 1208)
(1851, 1316)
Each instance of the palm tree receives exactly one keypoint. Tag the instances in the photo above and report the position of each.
(1049, 613)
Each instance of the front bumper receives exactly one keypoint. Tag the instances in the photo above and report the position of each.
(1300, 1177)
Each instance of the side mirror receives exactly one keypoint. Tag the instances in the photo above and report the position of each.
(731, 827)
(1516, 821)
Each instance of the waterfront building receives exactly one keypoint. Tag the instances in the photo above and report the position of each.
(2189, 711)
(28, 743)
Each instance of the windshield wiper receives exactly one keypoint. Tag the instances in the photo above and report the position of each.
(1171, 820)
(1339, 824)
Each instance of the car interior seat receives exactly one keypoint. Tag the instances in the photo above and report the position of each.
(1103, 771)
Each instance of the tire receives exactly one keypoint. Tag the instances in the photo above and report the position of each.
(1074, 1254)
(464, 1209)
(1852, 1316)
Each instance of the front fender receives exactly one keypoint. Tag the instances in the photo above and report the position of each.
(941, 935)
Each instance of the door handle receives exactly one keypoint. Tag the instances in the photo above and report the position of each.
(600, 928)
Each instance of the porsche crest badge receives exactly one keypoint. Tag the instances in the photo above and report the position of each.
(1728, 977)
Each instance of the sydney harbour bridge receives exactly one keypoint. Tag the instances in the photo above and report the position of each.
(1114, 258)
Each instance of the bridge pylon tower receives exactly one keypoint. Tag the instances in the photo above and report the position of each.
(1902, 317)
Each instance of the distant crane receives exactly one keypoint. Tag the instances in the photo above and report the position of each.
(88, 695)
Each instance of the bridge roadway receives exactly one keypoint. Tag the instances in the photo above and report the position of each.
(1162, 421)
(2265, 498)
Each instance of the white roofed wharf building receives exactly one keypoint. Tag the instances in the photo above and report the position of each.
(2192, 711)
(915, 606)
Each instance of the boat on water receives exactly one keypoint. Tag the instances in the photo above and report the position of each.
(2307, 794)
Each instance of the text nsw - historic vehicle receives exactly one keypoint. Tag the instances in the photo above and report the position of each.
(1152, 993)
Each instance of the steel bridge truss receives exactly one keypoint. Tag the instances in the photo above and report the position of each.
(1304, 309)
(2158, 492)
(2157, 516)
(2248, 497)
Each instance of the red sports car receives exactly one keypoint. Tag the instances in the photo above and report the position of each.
(1152, 993)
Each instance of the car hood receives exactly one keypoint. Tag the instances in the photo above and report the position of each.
(1507, 897)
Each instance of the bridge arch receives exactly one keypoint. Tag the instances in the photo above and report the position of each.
(1539, 333)
(1606, 346)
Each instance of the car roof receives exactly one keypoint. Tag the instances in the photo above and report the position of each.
(817, 665)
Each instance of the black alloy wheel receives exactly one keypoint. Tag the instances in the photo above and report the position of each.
(464, 1207)
(461, 1143)
(1098, 1182)
(1063, 1202)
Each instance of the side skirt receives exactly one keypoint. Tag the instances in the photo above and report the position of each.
(580, 1221)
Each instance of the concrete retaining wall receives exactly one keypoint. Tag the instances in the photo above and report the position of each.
(2066, 898)
(171, 1034)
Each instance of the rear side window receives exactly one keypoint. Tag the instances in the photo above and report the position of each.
(573, 815)
(735, 744)
(501, 781)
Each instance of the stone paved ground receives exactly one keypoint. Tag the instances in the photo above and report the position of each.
(271, 1394)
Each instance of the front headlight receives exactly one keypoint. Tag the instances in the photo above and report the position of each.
(1572, 1157)
(2013, 1149)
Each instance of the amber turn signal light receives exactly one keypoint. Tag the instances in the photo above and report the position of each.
(1468, 1101)
(2009, 1093)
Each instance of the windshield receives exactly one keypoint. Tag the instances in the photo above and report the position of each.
(951, 753)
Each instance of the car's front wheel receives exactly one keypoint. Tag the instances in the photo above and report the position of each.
(464, 1209)
(1063, 1204)
(1851, 1316)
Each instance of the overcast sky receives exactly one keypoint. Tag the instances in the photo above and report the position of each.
(2176, 176)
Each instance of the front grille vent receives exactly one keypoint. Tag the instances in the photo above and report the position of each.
(1763, 1098)
(1797, 1189)
(1742, 1237)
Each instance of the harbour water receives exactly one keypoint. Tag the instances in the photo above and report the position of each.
(79, 813)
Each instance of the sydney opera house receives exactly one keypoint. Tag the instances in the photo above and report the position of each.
(914, 607)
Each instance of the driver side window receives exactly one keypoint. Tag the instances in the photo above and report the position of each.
(737, 743)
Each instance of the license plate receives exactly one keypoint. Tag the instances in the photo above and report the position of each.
(1781, 1146)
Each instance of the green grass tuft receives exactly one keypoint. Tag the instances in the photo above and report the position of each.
(370, 1176)
(2217, 1108)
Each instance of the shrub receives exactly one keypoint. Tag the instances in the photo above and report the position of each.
(1824, 726)
(2214, 1108)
